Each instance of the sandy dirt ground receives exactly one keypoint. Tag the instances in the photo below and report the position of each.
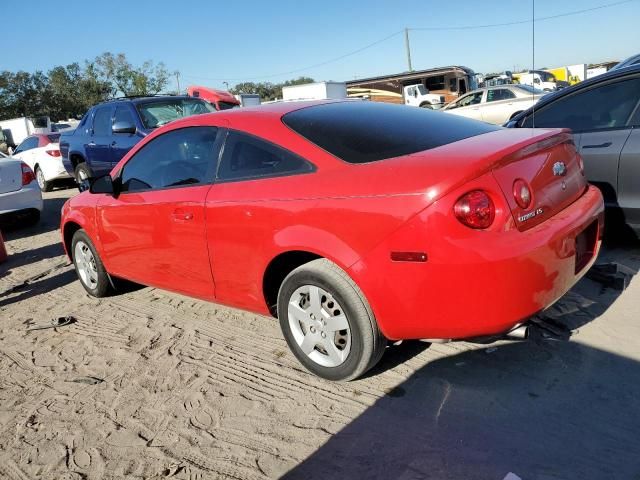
(153, 385)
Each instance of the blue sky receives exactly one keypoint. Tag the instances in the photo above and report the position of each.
(211, 41)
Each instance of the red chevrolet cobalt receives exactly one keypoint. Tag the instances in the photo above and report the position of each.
(352, 222)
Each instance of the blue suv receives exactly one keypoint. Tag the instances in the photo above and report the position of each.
(109, 130)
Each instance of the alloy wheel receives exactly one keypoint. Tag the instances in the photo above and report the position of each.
(86, 264)
(319, 326)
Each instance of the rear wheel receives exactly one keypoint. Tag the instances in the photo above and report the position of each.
(426, 105)
(42, 183)
(82, 173)
(327, 322)
(89, 267)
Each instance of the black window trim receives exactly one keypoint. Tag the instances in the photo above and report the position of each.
(211, 172)
(312, 167)
(627, 124)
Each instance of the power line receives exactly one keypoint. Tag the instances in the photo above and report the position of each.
(311, 66)
(377, 42)
(520, 22)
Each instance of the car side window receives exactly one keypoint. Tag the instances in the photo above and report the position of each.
(123, 114)
(182, 157)
(248, 157)
(498, 94)
(471, 99)
(27, 144)
(605, 106)
(102, 121)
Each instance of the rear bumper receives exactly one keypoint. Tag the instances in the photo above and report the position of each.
(27, 198)
(477, 283)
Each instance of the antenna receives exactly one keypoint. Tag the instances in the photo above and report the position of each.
(533, 60)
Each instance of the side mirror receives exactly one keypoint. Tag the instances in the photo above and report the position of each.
(103, 184)
(123, 127)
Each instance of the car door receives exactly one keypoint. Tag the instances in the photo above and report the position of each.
(629, 175)
(600, 119)
(468, 105)
(122, 142)
(498, 105)
(25, 151)
(153, 232)
(98, 147)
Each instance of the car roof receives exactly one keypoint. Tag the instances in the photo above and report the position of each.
(605, 77)
(146, 98)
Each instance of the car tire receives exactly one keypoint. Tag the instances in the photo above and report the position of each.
(89, 268)
(82, 172)
(426, 105)
(42, 183)
(314, 301)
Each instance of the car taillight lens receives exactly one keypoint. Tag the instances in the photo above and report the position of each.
(27, 174)
(522, 193)
(475, 209)
(53, 153)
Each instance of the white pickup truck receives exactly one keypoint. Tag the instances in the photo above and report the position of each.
(418, 96)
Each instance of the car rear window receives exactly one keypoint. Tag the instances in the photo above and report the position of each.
(362, 132)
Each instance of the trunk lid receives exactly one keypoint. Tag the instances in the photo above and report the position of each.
(552, 169)
(10, 175)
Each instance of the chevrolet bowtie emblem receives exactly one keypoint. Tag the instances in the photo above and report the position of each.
(559, 169)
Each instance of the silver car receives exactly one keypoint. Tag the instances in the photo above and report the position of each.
(495, 104)
(604, 115)
(20, 196)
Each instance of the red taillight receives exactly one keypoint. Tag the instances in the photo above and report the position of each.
(522, 193)
(475, 209)
(27, 174)
(53, 153)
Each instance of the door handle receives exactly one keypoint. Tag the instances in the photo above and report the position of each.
(91, 144)
(114, 143)
(182, 215)
(602, 145)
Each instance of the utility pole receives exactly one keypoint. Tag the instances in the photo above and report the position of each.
(408, 47)
(178, 81)
(226, 84)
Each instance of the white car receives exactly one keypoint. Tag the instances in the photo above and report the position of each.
(41, 152)
(495, 104)
(20, 196)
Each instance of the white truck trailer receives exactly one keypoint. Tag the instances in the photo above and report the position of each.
(315, 91)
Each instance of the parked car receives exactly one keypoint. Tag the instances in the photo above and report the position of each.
(604, 114)
(266, 209)
(20, 197)
(495, 104)
(109, 130)
(633, 60)
(42, 153)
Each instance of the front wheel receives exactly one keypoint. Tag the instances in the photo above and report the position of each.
(426, 105)
(89, 267)
(327, 322)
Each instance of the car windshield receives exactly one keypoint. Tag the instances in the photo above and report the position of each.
(154, 114)
(529, 89)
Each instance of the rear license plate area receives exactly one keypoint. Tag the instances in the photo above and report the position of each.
(586, 245)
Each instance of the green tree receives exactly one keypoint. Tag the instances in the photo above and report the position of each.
(126, 79)
(267, 90)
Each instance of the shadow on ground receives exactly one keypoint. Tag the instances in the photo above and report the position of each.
(547, 410)
(542, 409)
(50, 220)
(58, 279)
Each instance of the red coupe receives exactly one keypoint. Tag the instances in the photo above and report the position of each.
(353, 222)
